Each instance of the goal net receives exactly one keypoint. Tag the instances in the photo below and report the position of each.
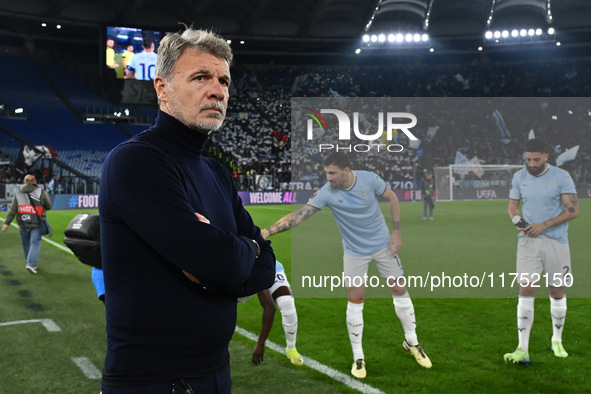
(474, 181)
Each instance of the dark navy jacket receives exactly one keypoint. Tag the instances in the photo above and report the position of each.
(160, 325)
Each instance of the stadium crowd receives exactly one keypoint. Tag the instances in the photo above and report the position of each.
(257, 135)
(261, 104)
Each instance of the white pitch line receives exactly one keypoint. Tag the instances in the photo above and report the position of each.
(46, 239)
(87, 367)
(50, 325)
(57, 245)
(47, 323)
(324, 369)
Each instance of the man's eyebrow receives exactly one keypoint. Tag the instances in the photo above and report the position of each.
(194, 73)
(207, 72)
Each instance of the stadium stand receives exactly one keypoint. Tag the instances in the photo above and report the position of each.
(53, 121)
(260, 107)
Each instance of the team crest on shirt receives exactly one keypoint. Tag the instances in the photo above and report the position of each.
(364, 192)
(549, 184)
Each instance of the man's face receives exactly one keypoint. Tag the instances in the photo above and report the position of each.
(337, 177)
(198, 94)
(110, 43)
(535, 162)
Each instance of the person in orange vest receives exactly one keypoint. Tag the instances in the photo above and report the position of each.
(29, 205)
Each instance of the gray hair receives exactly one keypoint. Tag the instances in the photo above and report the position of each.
(173, 45)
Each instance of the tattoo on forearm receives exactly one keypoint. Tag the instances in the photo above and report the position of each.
(396, 225)
(291, 220)
(304, 214)
(573, 200)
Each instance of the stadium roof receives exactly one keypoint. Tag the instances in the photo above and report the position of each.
(295, 27)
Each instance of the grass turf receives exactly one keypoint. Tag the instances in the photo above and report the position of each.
(464, 336)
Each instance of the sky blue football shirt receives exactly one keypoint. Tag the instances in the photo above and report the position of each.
(541, 198)
(357, 213)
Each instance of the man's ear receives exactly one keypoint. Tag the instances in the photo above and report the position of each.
(160, 87)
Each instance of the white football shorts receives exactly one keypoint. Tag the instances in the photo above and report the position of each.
(280, 280)
(543, 254)
(388, 265)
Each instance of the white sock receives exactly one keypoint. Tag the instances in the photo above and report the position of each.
(525, 320)
(558, 313)
(355, 328)
(406, 313)
(289, 318)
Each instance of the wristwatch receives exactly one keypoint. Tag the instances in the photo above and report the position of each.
(257, 247)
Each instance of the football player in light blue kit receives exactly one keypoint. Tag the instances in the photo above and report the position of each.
(143, 65)
(549, 201)
(352, 198)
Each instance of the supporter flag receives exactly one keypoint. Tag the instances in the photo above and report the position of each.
(567, 155)
(335, 93)
(531, 135)
(464, 82)
(476, 167)
(431, 133)
(461, 159)
(414, 144)
(505, 133)
(279, 141)
(30, 154)
(298, 82)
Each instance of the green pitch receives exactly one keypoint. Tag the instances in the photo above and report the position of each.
(464, 337)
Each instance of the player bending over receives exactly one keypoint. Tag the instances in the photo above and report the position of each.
(352, 198)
